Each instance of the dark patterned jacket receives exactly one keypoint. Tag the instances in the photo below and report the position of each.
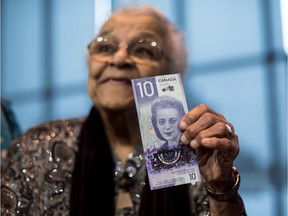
(37, 176)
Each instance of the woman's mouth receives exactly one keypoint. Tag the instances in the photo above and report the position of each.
(168, 133)
(114, 80)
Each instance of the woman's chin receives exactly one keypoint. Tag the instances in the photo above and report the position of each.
(116, 105)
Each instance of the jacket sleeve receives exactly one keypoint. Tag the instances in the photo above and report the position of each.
(21, 177)
(36, 176)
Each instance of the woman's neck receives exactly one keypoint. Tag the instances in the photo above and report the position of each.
(122, 129)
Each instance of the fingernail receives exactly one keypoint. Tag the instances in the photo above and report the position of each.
(183, 125)
(184, 139)
(194, 144)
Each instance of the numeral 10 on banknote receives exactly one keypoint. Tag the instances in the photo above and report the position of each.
(146, 89)
(161, 103)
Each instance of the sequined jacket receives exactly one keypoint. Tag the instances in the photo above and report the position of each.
(36, 177)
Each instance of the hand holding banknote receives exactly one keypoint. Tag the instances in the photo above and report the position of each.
(215, 143)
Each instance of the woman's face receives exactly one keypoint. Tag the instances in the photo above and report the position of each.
(127, 47)
(167, 123)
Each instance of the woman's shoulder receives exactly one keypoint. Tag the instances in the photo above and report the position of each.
(52, 130)
(57, 125)
(57, 137)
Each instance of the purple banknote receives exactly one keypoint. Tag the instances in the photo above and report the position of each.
(161, 103)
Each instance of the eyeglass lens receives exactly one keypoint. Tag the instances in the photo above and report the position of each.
(139, 50)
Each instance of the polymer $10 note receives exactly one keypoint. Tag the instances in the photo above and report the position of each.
(161, 103)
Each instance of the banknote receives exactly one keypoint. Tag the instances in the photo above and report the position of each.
(161, 103)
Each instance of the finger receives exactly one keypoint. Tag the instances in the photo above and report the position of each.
(228, 148)
(229, 129)
(217, 130)
(206, 121)
(194, 114)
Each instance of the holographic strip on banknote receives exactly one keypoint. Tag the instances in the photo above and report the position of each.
(161, 103)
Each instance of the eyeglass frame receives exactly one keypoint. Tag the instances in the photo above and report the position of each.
(117, 45)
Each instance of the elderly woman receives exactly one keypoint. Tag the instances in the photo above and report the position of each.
(84, 166)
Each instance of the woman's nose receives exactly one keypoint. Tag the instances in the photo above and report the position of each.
(167, 125)
(121, 58)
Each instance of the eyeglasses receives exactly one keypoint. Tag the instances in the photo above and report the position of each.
(141, 50)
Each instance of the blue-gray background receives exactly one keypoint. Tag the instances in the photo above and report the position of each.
(236, 65)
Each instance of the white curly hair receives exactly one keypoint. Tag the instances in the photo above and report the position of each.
(173, 37)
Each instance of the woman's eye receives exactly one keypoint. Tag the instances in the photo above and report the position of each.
(173, 121)
(106, 48)
(103, 49)
(144, 52)
(161, 122)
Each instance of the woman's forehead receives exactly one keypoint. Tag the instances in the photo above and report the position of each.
(128, 25)
(169, 111)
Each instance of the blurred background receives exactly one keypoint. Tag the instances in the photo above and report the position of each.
(237, 65)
